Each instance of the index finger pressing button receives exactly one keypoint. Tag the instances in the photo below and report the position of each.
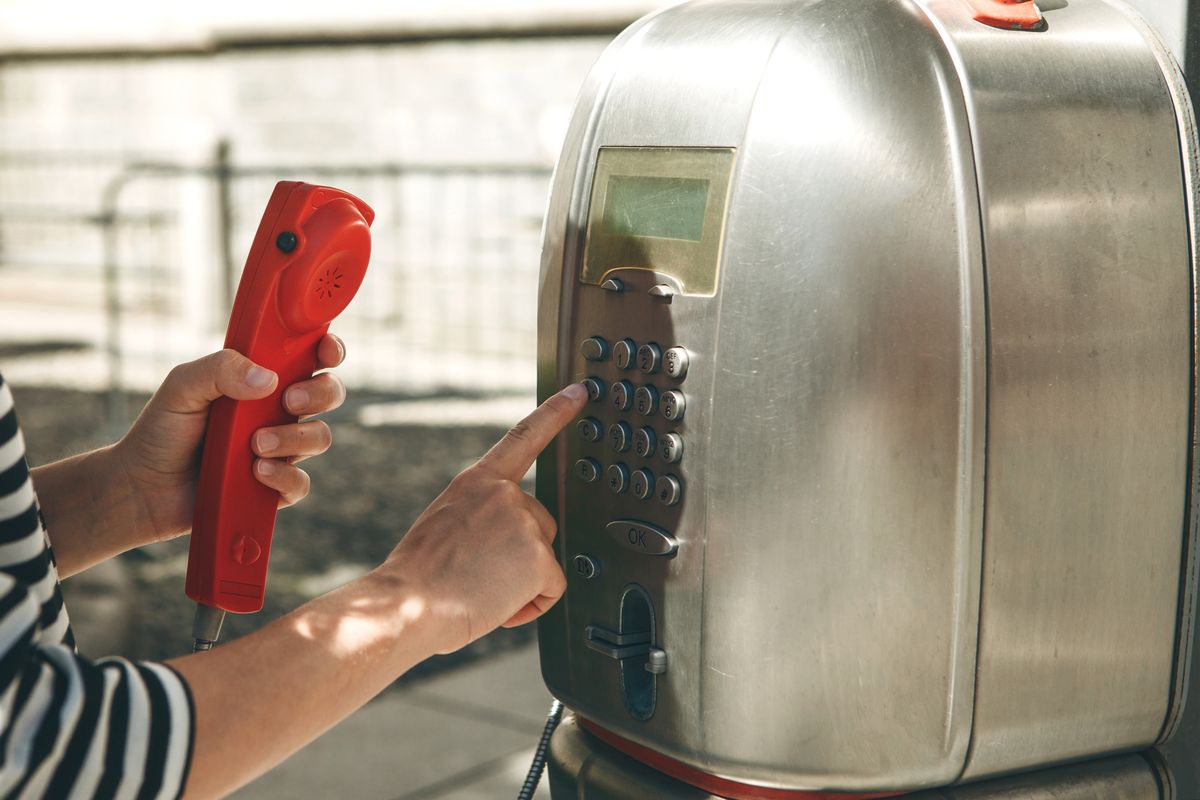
(595, 389)
(514, 454)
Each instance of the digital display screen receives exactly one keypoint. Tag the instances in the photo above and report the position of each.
(660, 210)
(664, 208)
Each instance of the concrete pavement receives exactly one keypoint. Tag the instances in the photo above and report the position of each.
(468, 734)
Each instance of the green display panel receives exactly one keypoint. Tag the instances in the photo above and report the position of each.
(659, 209)
(668, 208)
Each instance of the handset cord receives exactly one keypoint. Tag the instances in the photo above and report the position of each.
(534, 776)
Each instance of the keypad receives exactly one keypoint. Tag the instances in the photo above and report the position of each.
(673, 405)
(668, 490)
(648, 402)
(588, 470)
(594, 349)
(642, 483)
(618, 478)
(645, 442)
(595, 389)
(590, 429)
(675, 363)
(619, 437)
(622, 395)
(649, 358)
(645, 401)
(624, 353)
(671, 448)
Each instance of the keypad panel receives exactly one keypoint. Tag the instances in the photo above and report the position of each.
(650, 409)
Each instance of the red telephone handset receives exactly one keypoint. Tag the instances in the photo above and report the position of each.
(308, 259)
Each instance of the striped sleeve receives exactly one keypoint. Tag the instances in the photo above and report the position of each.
(72, 726)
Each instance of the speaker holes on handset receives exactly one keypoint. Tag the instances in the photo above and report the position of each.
(328, 283)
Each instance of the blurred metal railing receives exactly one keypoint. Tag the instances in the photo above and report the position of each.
(137, 260)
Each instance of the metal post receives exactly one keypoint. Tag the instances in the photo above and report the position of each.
(115, 404)
(222, 171)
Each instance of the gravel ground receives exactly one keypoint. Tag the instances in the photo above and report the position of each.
(366, 491)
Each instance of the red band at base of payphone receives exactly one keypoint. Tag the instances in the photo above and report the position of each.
(722, 787)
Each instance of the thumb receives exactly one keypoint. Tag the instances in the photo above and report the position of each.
(193, 386)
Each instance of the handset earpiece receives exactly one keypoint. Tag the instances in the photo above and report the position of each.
(335, 249)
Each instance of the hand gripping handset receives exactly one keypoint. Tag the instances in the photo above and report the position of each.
(307, 261)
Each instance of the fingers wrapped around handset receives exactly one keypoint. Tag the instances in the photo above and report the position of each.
(295, 442)
(318, 394)
(290, 481)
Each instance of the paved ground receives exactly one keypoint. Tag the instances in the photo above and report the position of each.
(462, 735)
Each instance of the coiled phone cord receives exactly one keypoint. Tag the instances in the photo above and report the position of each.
(534, 776)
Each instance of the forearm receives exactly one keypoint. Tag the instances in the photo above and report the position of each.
(92, 511)
(260, 698)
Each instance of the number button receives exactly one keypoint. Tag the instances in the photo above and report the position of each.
(671, 448)
(649, 358)
(595, 389)
(622, 395)
(644, 442)
(618, 478)
(619, 437)
(594, 349)
(623, 353)
(669, 490)
(675, 363)
(590, 429)
(673, 405)
(645, 400)
(588, 470)
(642, 484)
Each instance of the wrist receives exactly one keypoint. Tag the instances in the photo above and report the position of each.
(90, 507)
(407, 612)
(117, 461)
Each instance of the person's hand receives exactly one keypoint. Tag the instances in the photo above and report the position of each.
(161, 452)
(482, 554)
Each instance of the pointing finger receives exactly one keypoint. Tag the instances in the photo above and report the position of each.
(513, 455)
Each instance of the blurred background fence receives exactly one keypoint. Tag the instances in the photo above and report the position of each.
(114, 269)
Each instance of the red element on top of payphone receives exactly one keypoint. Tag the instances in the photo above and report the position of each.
(1021, 15)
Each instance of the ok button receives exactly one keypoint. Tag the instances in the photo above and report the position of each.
(642, 537)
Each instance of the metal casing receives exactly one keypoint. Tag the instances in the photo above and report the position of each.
(936, 521)
(580, 767)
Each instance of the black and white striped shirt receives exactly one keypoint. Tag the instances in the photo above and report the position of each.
(69, 726)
